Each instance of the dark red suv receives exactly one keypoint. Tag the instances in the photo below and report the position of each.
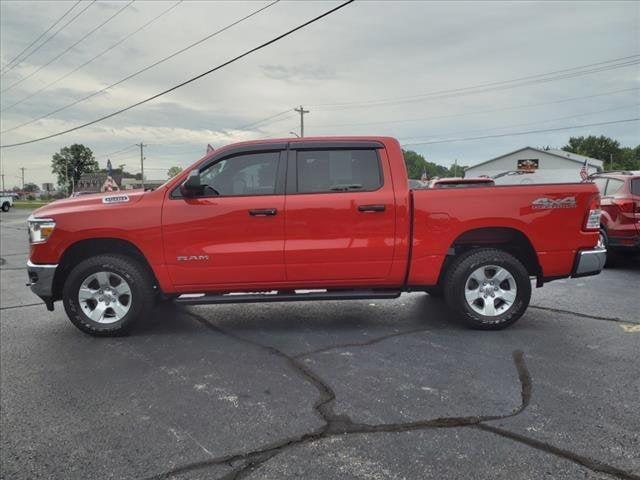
(620, 203)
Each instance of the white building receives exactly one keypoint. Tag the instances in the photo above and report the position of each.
(535, 166)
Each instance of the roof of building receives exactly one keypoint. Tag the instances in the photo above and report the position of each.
(93, 182)
(574, 157)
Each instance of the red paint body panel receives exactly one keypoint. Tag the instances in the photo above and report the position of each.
(238, 248)
(318, 240)
(329, 239)
(442, 215)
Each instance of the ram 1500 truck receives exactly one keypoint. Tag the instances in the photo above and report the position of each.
(309, 219)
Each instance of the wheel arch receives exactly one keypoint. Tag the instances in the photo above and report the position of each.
(87, 248)
(508, 239)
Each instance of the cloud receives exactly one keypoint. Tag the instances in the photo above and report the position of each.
(368, 50)
(298, 73)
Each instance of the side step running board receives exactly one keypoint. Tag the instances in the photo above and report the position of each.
(289, 296)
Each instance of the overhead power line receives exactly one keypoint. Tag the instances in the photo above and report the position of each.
(500, 85)
(476, 112)
(108, 49)
(52, 36)
(258, 122)
(149, 67)
(117, 152)
(190, 80)
(10, 63)
(70, 47)
(538, 122)
(513, 134)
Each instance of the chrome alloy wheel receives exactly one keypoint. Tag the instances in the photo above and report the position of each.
(490, 290)
(105, 297)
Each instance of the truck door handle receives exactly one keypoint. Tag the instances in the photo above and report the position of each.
(262, 212)
(371, 208)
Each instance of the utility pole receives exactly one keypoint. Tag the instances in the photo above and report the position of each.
(610, 161)
(141, 145)
(22, 168)
(2, 174)
(66, 176)
(301, 111)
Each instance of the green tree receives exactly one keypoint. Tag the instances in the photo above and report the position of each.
(417, 164)
(31, 187)
(606, 149)
(70, 163)
(173, 171)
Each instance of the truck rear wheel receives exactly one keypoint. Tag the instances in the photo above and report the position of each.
(106, 295)
(6, 206)
(489, 288)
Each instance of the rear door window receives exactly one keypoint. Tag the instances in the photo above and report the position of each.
(337, 171)
(601, 183)
(613, 186)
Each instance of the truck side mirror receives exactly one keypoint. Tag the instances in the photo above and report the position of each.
(192, 187)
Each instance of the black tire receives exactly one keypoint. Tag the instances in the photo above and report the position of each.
(464, 266)
(611, 256)
(434, 291)
(6, 206)
(136, 275)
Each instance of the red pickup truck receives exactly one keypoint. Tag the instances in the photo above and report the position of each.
(309, 219)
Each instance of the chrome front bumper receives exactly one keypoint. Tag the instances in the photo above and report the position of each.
(41, 281)
(589, 262)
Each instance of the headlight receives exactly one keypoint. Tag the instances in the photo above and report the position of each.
(40, 229)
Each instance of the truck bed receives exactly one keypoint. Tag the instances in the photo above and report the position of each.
(442, 218)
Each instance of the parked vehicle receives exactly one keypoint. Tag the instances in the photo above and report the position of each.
(309, 219)
(6, 202)
(416, 184)
(458, 182)
(620, 203)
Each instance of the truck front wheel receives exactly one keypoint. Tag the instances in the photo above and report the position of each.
(106, 295)
(489, 288)
(6, 206)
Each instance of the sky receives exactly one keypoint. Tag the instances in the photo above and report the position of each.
(371, 68)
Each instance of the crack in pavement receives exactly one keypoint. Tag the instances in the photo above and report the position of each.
(367, 343)
(560, 452)
(335, 424)
(578, 314)
(21, 306)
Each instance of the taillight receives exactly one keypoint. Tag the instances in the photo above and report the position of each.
(592, 221)
(624, 204)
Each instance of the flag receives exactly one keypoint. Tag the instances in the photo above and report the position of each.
(584, 172)
(109, 168)
(209, 148)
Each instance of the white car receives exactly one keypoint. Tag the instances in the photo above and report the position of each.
(6, 202)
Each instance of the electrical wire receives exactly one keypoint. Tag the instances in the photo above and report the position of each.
(52, 36)
(538, 122)
(119, 42)
(9, 64)
(513, 134)
(569, 73)
(149, 67)
(70, 47)
(190, 80)
(258, 122)
(476, 112)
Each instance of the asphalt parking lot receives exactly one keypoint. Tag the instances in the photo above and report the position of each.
(366, 390)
